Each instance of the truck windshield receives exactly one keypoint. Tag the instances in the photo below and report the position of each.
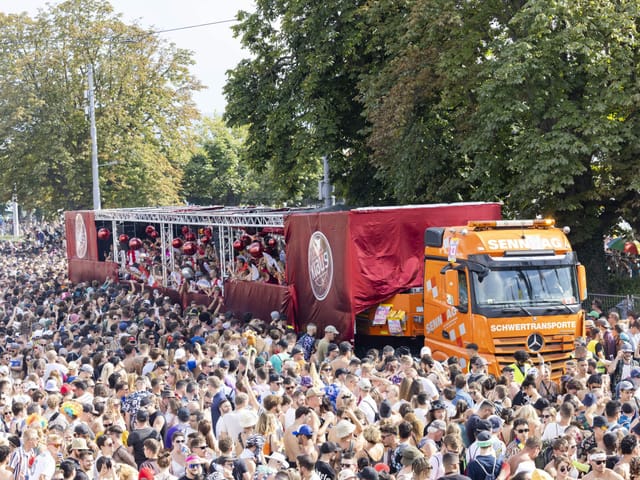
(526, 286)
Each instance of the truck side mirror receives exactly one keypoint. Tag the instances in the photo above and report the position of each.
(582, 282)
(451, 287)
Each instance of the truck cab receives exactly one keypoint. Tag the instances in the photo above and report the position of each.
(505, 286)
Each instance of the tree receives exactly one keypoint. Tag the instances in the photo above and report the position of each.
(557, 115)
(216, 174)
(143, 109)
(297, 95)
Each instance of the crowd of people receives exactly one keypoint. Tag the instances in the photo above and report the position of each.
(199, 269)
(105, 381)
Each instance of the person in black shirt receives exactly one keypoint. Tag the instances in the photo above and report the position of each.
(141, 432)
(323, 466)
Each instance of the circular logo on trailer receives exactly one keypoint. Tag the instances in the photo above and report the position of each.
(535, 342)
(320, 265)
(81, 237)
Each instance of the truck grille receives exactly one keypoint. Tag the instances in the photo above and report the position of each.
(556, 351)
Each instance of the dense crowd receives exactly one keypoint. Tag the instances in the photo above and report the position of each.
(106, 381)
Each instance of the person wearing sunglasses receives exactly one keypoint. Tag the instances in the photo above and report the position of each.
(193, 468)
(598, 461)
(562, 466)
(519, 433)
(44, 465)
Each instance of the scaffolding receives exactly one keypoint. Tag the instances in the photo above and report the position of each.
(227, 221)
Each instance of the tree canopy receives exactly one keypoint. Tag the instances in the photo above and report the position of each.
(143, 109)
(530, 103)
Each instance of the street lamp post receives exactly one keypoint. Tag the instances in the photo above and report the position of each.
(94, 142)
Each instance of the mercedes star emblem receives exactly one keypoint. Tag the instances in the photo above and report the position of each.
(535, 342)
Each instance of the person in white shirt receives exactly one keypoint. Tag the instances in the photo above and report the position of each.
(555, 429)
(367, 405)
(44, 465)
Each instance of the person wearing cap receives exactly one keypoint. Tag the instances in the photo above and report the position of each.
(347, 474)
(368, 473)
(303, 416)
(367, 404)
(621, 367)
(194, 468)
(297, 356)
(608, 340)
(323, 466)
(407, 457)
(598, 460)
(304, 435)
(626, 391)
(330, 334)
(487, 425)
(485, 463)
(482, 412)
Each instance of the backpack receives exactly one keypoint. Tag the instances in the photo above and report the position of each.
(545, 456)
(492, 475)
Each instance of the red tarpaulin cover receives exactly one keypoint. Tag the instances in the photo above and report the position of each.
(375, 253)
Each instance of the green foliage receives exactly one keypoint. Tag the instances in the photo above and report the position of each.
(217, 173)
(143, 109)
(297, 95)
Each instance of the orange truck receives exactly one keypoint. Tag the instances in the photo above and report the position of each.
(504, 285)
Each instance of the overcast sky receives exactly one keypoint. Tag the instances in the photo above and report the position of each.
(215, 49)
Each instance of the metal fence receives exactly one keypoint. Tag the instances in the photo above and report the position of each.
(620, 303)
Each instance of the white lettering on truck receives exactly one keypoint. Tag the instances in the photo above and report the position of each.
(528, 243)
(538, 326)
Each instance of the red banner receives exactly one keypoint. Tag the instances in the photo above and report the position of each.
(81, 235)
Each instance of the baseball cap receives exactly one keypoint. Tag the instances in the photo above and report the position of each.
(437, 425)
(331, 329)
(364, 384)
(369, 473)
(599, 421)
(589, 399)
(409, 455)
(329, 447)
(142, 416)
(484, 439)
(303, 429)
(496, 422)
(541, 404)
(626, 385)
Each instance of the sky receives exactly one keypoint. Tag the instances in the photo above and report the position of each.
(215, 50)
